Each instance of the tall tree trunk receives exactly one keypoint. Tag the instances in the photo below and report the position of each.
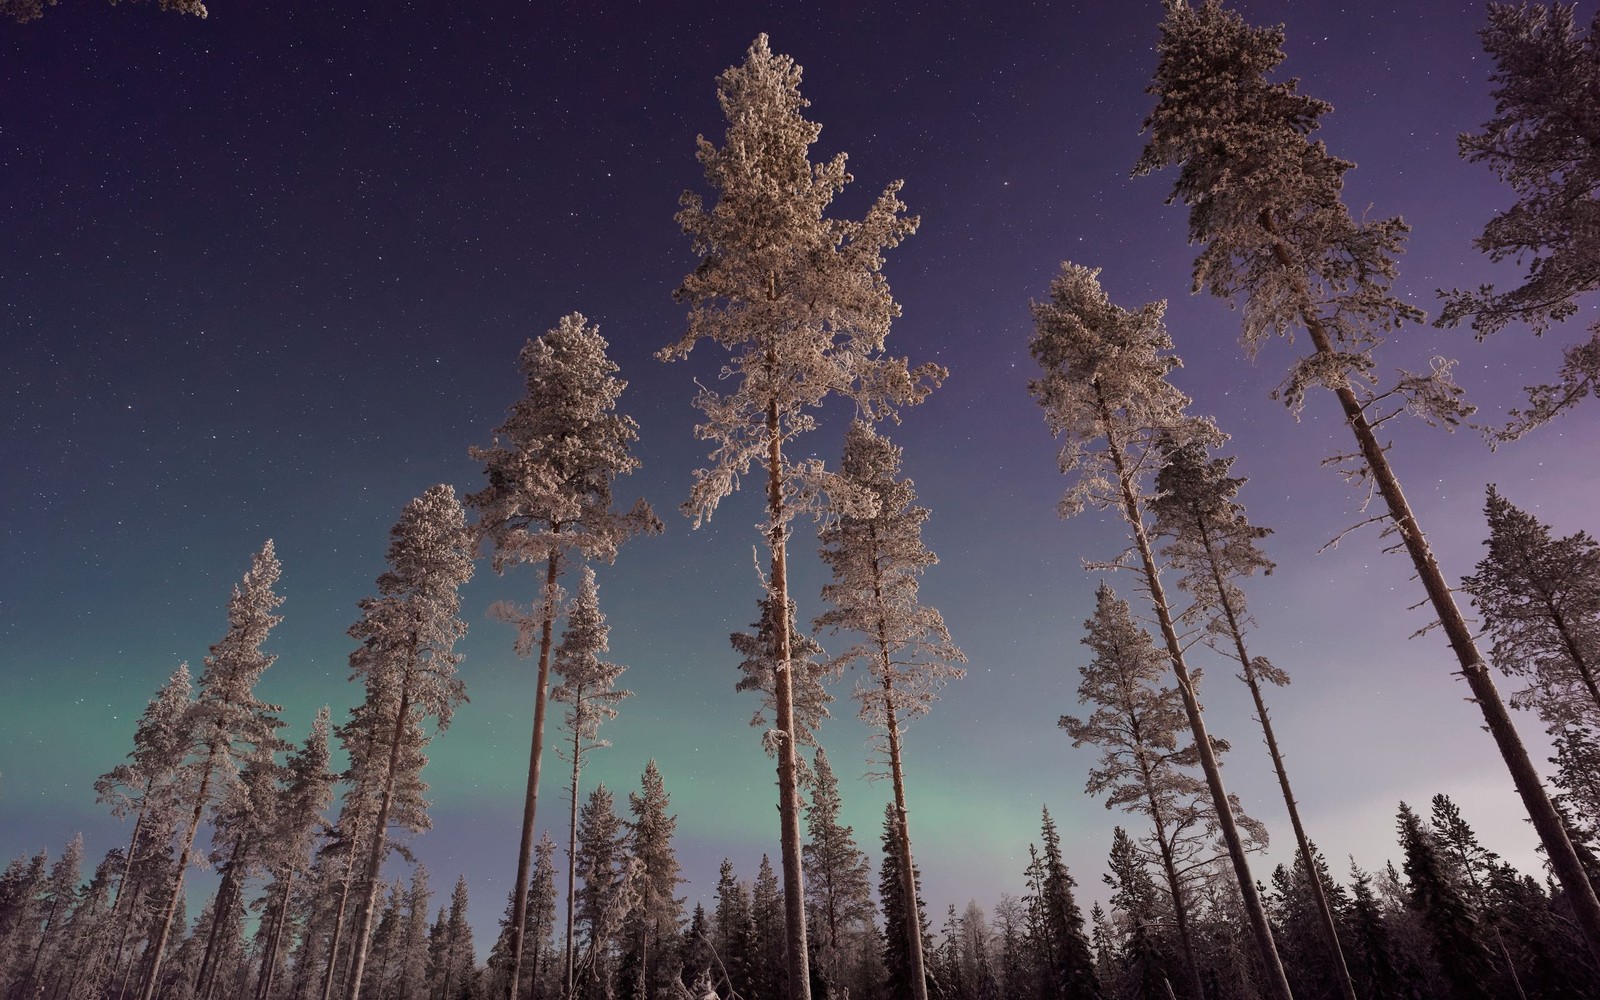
(530, 798)
(1552, 833)
(226, 894)
(1330, 930)
(158, 947)
(269, 965)
(380, 830)
(338, 926)
(572, 854)
(799, 967)
(1277, 980)
(1180, 908)
(908, 876)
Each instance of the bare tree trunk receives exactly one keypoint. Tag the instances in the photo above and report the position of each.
(1277, 980)
(379, 838)
(1552, 833)
(530, 798)
(147, 990)
(226, 894)
(908, 877)
(572, 854)
(269, 964)
(799, 967)
(338, 926)
(1330, 930)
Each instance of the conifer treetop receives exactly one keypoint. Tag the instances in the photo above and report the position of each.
(551, 464)
(1265, 201)
(1105, 380)
(798, 298)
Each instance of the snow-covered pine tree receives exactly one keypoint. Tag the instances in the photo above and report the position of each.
(800, 302)
(548, 502)
(872, 543)
(1211, 542)
(650, 937)
(1266, 202)
(588, 686)
(767, 942)
(1540, 601)
(1145, 766)
(226, 722)
(838, 874)
(1105, 392)
(407, 660)
(1544, 142)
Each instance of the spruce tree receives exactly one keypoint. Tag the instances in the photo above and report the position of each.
(1105, 392)
(651, 937)
(873, 545)
(1265, 200)
(1543, 142)
(604, 901)
(548, 502)
(407, 660)
(1540, 601)
(307, 791)
(799, 301)
(1070, 968)
(838, 874)
(1445, 911)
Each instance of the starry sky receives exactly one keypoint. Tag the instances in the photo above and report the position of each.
(266, 275)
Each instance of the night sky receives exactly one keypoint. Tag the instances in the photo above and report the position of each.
(266, 275)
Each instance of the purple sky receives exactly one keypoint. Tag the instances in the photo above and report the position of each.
(266, 275)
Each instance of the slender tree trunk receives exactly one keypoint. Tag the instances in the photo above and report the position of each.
(338, 926)
(126, 924)
(1277, 980)
(375, 856)
(530, 798)
(226, 897)
(159, 946)
(572, 854)
(908, 877)
(788, 791)
(1330, 930)
(1552, 833)
(1180, 908)
(1579, 661)
(269, 966)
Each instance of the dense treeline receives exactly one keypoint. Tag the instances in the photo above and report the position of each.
(317, 895)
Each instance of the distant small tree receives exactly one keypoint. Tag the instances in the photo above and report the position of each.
(1540, 601)
(1266, 202)
(838, 874)
(651, 935)
(903, 914)
(1544, 142)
